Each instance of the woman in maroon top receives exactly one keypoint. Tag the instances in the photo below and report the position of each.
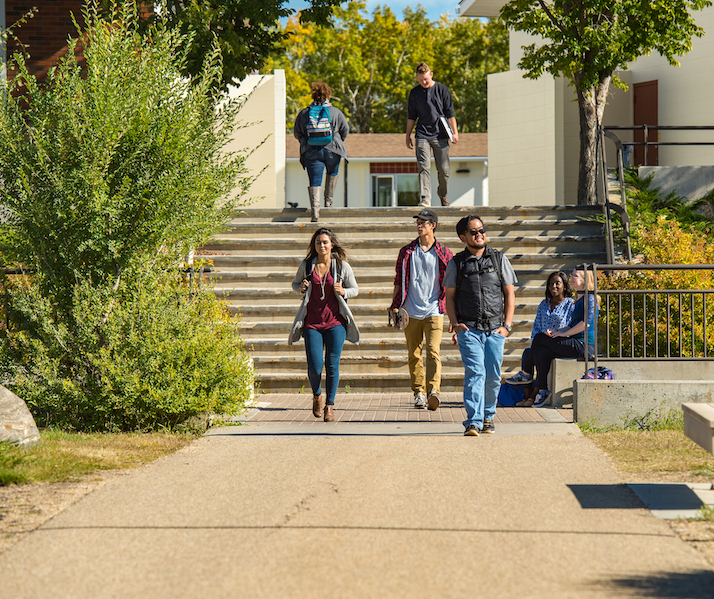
(324, 320)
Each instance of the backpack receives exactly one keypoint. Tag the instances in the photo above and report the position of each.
(510, 395)
(319, 126)
(603, 374)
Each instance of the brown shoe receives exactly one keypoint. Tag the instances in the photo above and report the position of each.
(329, 414)
(445, 201)
(317, 406)
(433, 402)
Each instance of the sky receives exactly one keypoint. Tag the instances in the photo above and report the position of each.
(434, 8)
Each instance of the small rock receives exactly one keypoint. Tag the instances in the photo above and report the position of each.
(16, 423)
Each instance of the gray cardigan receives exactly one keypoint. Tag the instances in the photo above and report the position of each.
(351, 290)
(340, 130)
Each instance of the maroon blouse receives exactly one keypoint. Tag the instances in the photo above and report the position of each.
(322, 314)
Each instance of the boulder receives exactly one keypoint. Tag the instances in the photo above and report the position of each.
(16, 423)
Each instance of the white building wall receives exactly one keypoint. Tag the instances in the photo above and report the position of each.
(685, 95)
(522, 140)
(263, 115)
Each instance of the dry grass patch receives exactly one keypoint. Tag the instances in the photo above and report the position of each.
(656, 456)
(70, 456)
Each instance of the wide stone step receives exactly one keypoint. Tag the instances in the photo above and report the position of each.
(543, 260)
(513, 214)
(368, 382)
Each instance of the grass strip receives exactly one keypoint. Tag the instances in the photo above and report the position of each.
(70, 456)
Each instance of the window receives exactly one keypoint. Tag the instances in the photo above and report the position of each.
(395, 184)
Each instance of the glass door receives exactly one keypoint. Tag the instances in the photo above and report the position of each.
(383, 191)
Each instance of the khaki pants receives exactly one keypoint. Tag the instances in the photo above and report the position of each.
(416, 332)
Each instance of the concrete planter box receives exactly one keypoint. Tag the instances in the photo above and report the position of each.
(699, 424)
(613, 402)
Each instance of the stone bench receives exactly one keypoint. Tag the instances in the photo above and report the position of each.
(699, 424)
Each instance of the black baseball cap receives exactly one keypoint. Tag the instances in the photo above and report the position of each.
(427, 214)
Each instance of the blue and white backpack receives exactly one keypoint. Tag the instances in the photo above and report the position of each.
(319, 127)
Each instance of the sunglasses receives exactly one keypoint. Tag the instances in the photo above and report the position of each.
(474, 232)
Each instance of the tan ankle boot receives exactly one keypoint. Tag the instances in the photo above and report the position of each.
(329, 414)
(317, 406)
(314, 193)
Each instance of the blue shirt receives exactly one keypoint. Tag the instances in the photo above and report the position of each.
(423, 291)
(557, 318)
(579, 316)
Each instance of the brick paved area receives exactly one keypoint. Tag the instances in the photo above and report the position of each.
(284, 408)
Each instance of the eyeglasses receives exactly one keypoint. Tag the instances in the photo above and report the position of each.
(474, 232)
(420, 223)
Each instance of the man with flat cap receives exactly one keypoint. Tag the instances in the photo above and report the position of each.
(419, 290)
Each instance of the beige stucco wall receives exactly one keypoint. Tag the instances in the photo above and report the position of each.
(522, 141)
(263, 114)
(685, 95)
(534, 137)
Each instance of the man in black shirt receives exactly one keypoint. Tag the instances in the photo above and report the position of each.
(430, 107)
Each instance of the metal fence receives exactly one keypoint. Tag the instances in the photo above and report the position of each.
(652, 324)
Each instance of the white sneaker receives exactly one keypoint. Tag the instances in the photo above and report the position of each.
(419, 401)
(433, 402)
(542, 398)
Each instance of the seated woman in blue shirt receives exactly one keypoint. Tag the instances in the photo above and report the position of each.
(554, 312)
(566, 342)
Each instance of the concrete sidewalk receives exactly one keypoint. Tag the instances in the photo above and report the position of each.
(263, 510)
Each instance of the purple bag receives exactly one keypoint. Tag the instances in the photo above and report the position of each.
(603, 374)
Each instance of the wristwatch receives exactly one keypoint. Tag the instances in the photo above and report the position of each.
(508, 327)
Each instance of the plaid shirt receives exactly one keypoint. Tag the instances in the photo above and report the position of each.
(403, 271)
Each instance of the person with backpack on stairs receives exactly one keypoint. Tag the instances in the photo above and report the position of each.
(324, 320)
(321, 130)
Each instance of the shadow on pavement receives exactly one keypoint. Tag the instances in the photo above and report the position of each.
(605, 497)
(698, 584)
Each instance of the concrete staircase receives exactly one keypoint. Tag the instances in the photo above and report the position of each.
(257, 256)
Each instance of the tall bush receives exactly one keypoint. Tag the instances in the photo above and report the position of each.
(111, 169)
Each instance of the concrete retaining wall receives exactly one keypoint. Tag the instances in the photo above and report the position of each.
(564, 372)
(613, 402)
(688, 182)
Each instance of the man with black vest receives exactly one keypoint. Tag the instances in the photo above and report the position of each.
(480, 302)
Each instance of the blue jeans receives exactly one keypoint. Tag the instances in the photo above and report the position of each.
(332, 340)
(482, 355)
(316, 161)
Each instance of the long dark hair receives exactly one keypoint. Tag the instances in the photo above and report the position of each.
(338, 252)
(567, 291)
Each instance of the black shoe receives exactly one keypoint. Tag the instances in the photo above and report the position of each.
(488, 427)
(471, 431)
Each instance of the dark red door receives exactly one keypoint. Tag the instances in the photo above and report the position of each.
(645, 113)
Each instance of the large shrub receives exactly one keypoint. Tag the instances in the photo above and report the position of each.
(665, 324)
(111, 169)
(167, 351)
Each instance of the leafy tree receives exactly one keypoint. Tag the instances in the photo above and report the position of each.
(586, 41)
(369, 62)
(246, 30)
(111, 169)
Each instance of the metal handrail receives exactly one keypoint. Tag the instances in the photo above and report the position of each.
(620, 292)
(607, 131)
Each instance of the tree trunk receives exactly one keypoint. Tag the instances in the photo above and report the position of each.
(591, 106)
